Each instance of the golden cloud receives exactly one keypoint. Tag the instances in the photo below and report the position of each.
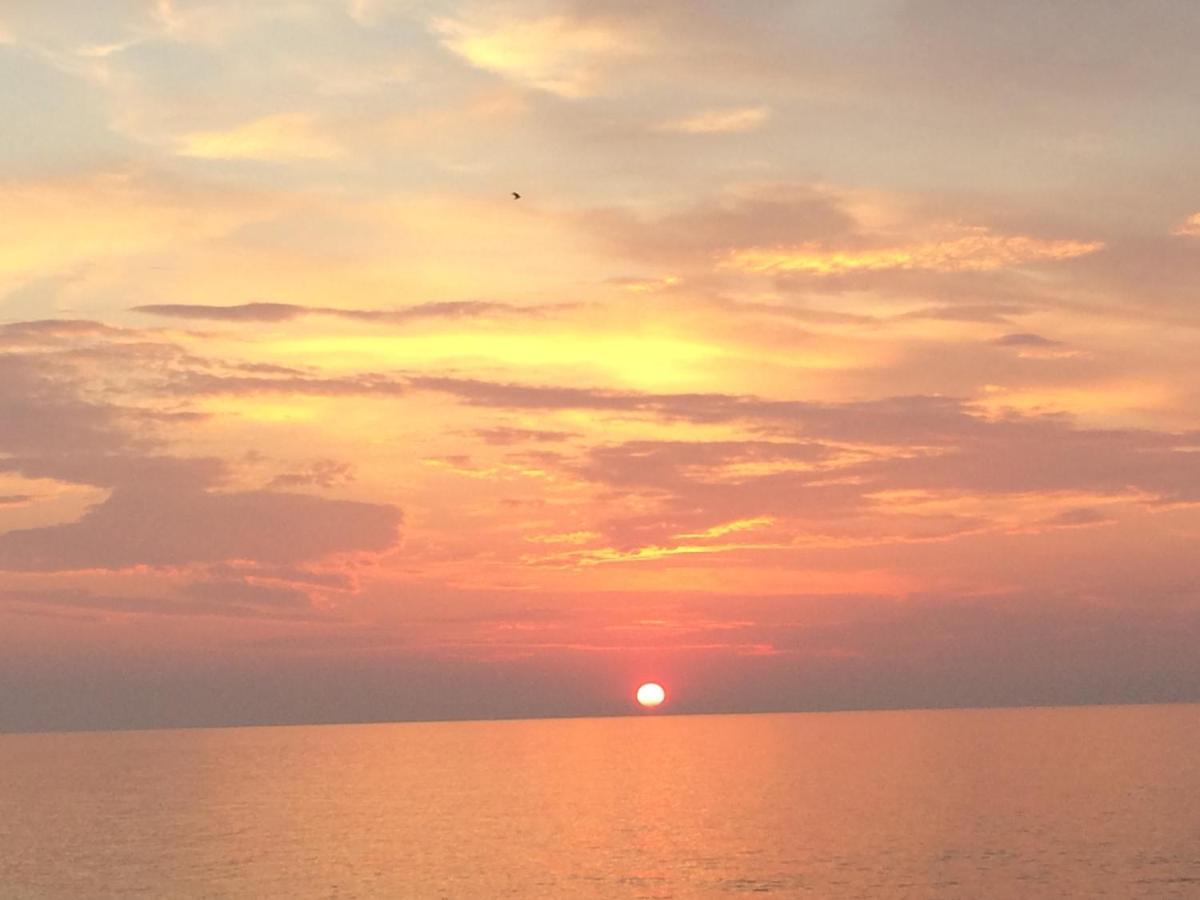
(977, 250)
(732, 527)
(1190, 226)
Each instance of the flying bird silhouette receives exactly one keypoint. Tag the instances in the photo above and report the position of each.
(516, 196)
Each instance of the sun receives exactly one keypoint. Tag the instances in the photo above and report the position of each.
(651, 694)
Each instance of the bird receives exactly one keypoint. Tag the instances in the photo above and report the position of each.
(516, 196)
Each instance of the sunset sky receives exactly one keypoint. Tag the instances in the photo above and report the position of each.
(835, 355)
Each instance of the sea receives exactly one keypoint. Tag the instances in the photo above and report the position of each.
(1005, 803)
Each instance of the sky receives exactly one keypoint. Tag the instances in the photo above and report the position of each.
(836, 355)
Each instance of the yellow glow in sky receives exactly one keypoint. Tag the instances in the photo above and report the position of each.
(643, 361)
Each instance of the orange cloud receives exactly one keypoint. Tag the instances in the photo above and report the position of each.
(1190, 226)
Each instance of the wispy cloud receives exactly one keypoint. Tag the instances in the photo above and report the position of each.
(555, 53)
(730, 528)
(279, 137)
(284, 312)
(977, 250)
(1025, 339)
(720, 121)
(56, 224)
(1034, 346)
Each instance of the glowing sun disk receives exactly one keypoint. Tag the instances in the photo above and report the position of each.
(651, 694)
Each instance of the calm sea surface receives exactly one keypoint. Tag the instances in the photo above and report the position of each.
(1093, 802)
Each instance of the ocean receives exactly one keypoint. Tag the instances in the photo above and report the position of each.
(1011, 803)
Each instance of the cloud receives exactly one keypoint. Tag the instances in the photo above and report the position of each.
(136, 527)
(52, 432)
(997, 313)
(1189, 227)
(1025, 339)
(818, 238)
(324, 473)
(504, 395)
(44, 330)
(1025, 456)
(363, 11)
(59, 426)
(505, 436)
(977, 250)
(1034, 346)
(887, 419)
(242, 312)
(663, 464)
(1135, 275)
(47, 27)
(57, 225)
(235, 600)
(284, 312)
(749, 216)
(1077, 517)
(948, 441)
(558, 54)
(847, 480)
(119, 466)
(720, 121)
(1072, 55)
(726, 528)
(198, 384)
(280, 137)
(163, 510)
(240, 594)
